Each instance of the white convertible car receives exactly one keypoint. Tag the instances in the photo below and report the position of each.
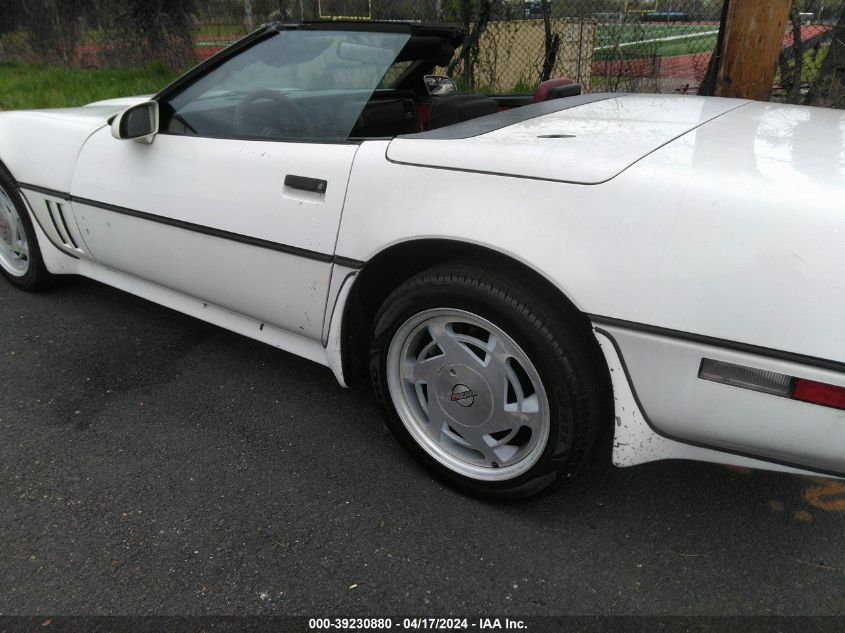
(515, 275)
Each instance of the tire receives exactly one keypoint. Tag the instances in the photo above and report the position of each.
(488, 383)
(20, 257)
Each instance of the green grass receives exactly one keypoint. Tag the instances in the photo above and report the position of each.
(611, 33)
(700, 39)
(24, 86)
(693, 45)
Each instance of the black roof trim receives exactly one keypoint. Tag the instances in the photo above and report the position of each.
(454, 35)
(493, 122)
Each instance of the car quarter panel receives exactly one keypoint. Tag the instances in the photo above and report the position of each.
(679, 241)
(663, 375)
(636, 440)
(734, 232)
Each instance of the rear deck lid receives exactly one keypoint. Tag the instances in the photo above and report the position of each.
(585, 140)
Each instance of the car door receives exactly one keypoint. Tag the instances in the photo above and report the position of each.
(238, 199)
(214, 219)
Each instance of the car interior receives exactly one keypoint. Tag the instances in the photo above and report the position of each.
(402, 103)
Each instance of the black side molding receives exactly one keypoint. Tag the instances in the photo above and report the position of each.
(304, 183)
(792, 357)
(348, 262)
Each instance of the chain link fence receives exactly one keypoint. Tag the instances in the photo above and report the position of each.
(606, 45)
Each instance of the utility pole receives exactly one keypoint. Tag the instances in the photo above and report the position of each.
(752, 40)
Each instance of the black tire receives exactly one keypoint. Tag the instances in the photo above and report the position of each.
(37, 277)
(555, 337)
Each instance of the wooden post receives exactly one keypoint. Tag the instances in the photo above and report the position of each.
(753, 39)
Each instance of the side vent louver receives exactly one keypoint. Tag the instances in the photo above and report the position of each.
(57, 217)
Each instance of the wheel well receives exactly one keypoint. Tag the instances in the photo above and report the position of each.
(392, 266)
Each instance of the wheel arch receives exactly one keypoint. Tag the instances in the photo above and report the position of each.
(398, 262)
(5, 167)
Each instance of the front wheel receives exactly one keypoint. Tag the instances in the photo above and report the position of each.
(487, 383)
(20, 258)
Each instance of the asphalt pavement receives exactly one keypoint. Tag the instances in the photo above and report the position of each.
(154, 464)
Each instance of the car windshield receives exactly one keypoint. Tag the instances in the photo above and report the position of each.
(315, 81)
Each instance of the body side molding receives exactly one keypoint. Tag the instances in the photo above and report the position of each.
(198, 228)
(801, 359)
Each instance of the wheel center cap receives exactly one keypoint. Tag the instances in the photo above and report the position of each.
(464, 395)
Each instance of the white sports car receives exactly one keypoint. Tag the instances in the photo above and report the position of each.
(515, 274)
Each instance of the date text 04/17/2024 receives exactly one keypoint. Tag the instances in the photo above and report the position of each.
(415, 624)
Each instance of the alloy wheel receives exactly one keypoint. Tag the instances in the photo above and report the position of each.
(468, 394)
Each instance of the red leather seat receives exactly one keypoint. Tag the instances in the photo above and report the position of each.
(542, 92)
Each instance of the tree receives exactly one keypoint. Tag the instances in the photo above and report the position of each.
(829, 89)
(467, 59)
(790, 75)
(157, 31)
(10, 15)
(551, 43)
(53, 26)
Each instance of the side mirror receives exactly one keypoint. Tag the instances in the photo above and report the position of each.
(439, 86)
(137, 123)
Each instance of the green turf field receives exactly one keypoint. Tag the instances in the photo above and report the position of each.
(632, 40)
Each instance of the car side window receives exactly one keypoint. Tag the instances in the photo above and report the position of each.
(294, 84)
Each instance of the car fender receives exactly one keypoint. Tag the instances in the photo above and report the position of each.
(40, 147)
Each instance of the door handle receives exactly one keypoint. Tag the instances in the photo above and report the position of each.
(314, 185)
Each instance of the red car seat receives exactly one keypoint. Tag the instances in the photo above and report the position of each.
(556, 88)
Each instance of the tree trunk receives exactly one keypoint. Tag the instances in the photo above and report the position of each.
(552, 43)
(468, 57)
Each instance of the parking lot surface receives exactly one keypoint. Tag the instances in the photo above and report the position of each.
(153, 464)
